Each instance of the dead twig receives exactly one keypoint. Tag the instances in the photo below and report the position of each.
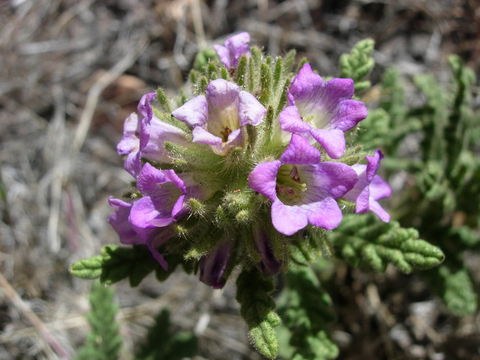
(52, 346)
(96, 90)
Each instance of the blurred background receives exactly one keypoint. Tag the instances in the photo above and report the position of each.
(71, 71)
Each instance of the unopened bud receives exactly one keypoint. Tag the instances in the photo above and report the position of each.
(196, 207)
(243, 216)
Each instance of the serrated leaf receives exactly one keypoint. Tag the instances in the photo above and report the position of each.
(117, 263)
(318, 347)
(258, 311)
(163, 100)
(203, 57)
(306, 309)
(126, 262)
(358, 64)
(90, 268)
(104, 341)
(365, 241)
(164, 343)
(456, 289)
(465, 235)
(264, 338)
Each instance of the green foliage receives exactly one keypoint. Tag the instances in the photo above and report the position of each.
(358, 64)
(455, 286)
(104, 340)
(163, 100)
(313, 245)
(203, 58)
(380, 120)
(457, 136)
(363, 240)
(464, 236)
(163, 343)
(258, 311)
(306, 310)
(90, 268)
(117, 263)
(386, 126)
(442, 199)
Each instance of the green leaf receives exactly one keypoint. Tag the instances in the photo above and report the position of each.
(242, 70)
(289, 60)
(203, 57)
(266, 83)
(375, 131)
(306, 310)
(90, 268)
(117, 263)
(456, 289)
(433, 117)
(457, 134)
(258, 310)
(363, 240)
(277, 72)
(212, 70)
(358, 64)
(254, 69)
(393, 94)
(202, 85)
(104, 341)
(164, 343)
(163, 100)
(317, 347)
(465, 236)
(313, 245)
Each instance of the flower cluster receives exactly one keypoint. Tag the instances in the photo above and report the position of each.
(245, 167)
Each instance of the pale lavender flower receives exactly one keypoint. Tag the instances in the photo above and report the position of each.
(129, 145)
(370, 188)
(163, 201)
(145, 110)
(145, 138)
(132, 235)
(322, 109)
(213, 265)
(302, 189)
(219, 117)
(235, 47)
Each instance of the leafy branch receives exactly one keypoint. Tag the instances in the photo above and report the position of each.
(306, 310)
(362, 240)
(162, 343)
(117, 263)
(258, 311)
(104, 341)
(358, 64)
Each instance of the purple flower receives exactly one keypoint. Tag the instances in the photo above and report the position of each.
(370, 188)
(145, 138)
(302, 189)
(268, 264)
(213, 265)
(218, 118)
(235, 47)
(321, 109)
(145, 110)
(129, 145)
(132, 235)
(163, 201)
